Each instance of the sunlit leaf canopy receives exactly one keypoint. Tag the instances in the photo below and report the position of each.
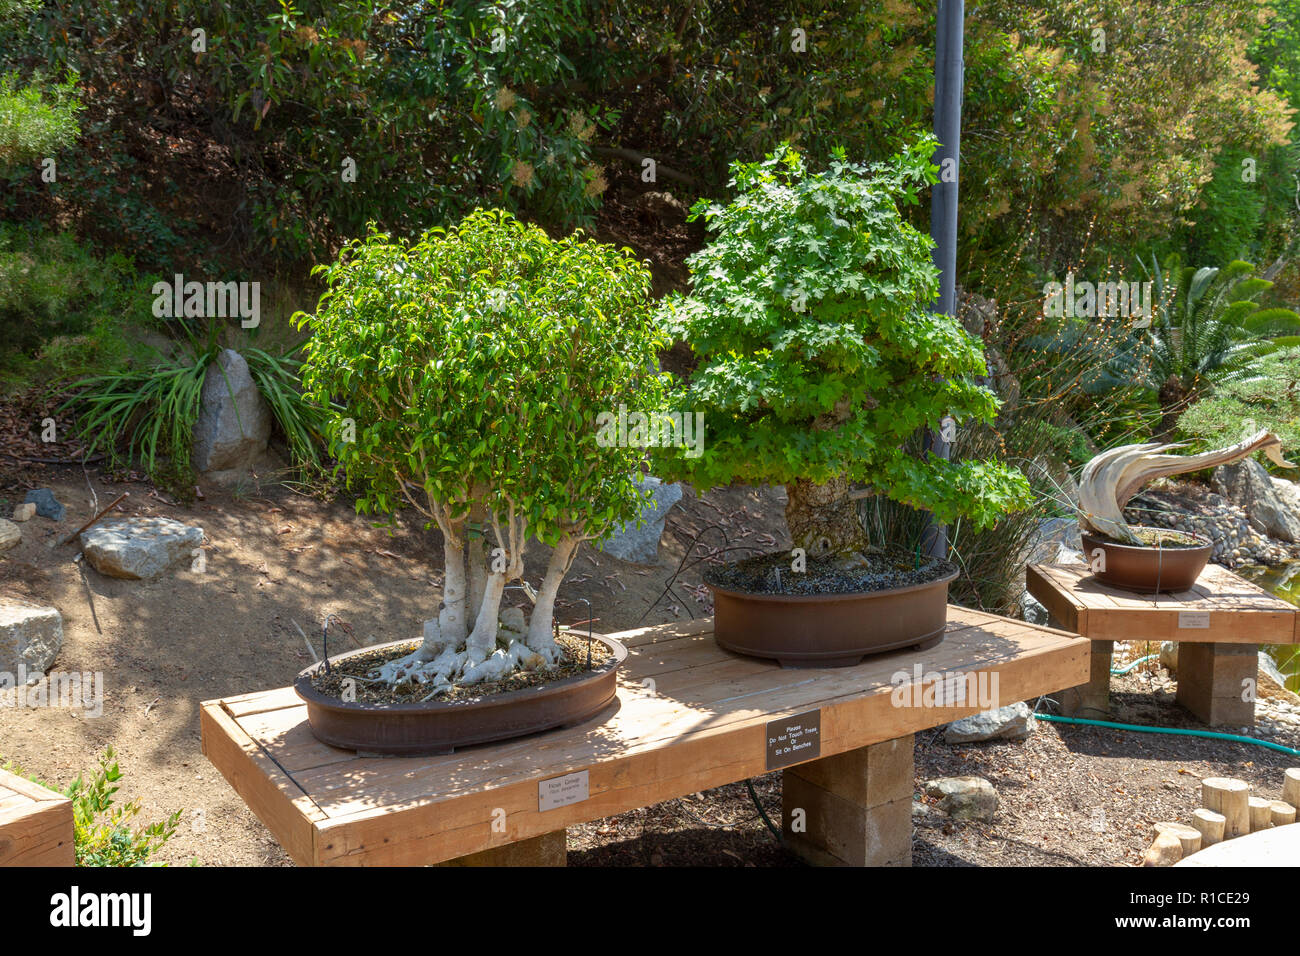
(474, 363)
(819, 356)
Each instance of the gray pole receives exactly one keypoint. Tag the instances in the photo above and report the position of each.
(948, 69)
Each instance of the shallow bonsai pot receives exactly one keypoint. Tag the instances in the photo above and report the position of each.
(830, 630)
(439, 727)
(1148, 570)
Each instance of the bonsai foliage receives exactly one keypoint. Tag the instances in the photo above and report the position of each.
(818, 356)
(1112, 478)
(468, 369)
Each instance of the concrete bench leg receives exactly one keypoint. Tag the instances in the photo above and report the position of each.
(549, 849)
(852, 809)
(1213, 679)
(1090, 700)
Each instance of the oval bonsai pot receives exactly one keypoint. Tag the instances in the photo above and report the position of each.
(830, 630)
(1145, 569)
(439, 727)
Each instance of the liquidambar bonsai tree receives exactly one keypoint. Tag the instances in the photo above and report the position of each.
(819, 361)
(470, 367)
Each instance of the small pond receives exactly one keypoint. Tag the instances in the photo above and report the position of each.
(1284, 581)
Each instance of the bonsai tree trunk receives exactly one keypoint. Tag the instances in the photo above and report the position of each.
(823, 519)
(478, 574)
(452, 621)
(539, 637)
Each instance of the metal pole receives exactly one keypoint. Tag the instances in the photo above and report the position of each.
(948, 70)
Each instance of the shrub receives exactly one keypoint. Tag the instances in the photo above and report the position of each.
(103, 835)
(1267, 397)
(61, 301)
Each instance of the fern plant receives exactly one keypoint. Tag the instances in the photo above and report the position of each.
(1208, 326)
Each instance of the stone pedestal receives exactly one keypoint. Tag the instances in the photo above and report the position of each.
(1091, 700)
(1213, 679)
(852, 809)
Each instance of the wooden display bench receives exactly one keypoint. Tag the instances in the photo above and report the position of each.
(35, 824)
(1219, 625)
(690, 716)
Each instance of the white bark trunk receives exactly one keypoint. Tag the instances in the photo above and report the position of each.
(483, 639)
(539, 637)
(478, 575)
(451, 620)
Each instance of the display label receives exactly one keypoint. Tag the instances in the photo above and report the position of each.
(562, 791)
(1194, 619)
(791, 740)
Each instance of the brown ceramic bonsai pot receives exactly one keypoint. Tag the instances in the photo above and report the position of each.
(439, 727)
(1147, 570)
(830, 630)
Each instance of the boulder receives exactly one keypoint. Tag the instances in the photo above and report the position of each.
(1031, 610)
(46, 504)
(10, 535)
(139, 548)
(641, 545)
(1288, 492)
(964, 798)
(234, 421)
(30, 637)
(1249, 485)
(25, 511)
(1014, 722)
(1169, 655)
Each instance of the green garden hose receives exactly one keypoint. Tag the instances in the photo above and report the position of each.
(1132, 664)
(1211, 734)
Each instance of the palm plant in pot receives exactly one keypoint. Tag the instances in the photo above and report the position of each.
(463, 372)
(818, 363)
(1144, 559)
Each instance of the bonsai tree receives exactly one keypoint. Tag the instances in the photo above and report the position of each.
(466, 371)
(818, 358)
(1112, 478)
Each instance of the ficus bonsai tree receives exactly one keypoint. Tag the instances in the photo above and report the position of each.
(818, 357)
(467, 369)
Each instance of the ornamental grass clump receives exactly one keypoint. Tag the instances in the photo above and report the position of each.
(819, 359)
(467, 370)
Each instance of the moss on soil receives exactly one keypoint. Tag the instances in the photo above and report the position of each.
(573, 663)
(875, 571)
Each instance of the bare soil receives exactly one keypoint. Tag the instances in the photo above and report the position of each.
(278, 561)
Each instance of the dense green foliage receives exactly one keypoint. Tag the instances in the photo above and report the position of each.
(1087, 140)
(1267, 395)
(818, 355)
(471, 366)
(63, 304)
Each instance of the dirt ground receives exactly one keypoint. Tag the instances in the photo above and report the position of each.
(277, 561)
